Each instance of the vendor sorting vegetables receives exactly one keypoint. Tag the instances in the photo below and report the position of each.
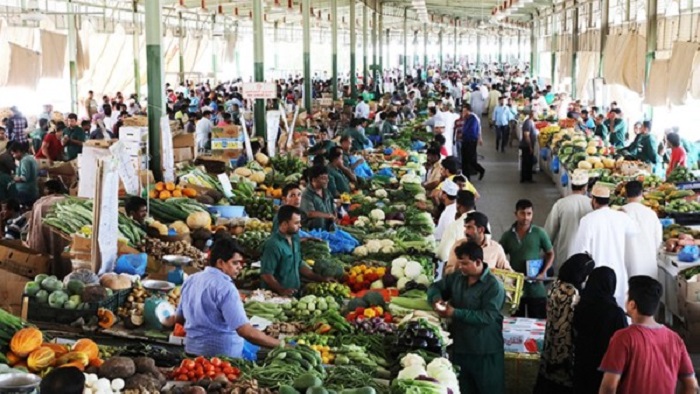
(281, 265)
(137, 209)
(472, 297)
(211, 310)
(323, 145)
(317, 201)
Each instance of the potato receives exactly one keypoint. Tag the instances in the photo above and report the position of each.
(117, 367)
(146, 365)
(195, 390)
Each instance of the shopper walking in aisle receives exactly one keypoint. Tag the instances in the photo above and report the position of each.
(16, 126)
(646, 357)
(642, 248)
(679, 156)
(556, 374)
(455, 230)
(448, 196)
(603, 233)
(202, 134)
(563, 220)
(472, 298)
(524, 242)
(596, 318)
(471, 138)
(502, 115)
(527, 148)
(478, 101)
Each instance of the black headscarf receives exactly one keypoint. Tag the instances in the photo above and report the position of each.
(600, 287)
(576, 269)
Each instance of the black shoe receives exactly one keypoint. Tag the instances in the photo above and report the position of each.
(481, 174)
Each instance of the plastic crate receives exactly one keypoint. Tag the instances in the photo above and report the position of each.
(45, 313)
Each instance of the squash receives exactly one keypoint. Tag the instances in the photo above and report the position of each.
(96, 362)
(177, 193)
(76, 364)
(58, 349)
(153, 194)
(12, 359)
(88, 347)
(198, 220)
(164, 195)
(160, 186)
(189, 192)
(73, 357)
(180, 227)
(262, 159)
(257, 177)
(26, 341)
(106, 318)
(41, 359)
(242, 171)
(169, 186)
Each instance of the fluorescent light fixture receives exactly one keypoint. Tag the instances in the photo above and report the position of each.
(32, 16)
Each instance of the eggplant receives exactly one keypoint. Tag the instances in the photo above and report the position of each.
(424, 333)
(407, 341)
(433, 342)
(419, 343)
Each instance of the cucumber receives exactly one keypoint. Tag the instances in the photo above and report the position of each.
(286, 389)
(306, 380)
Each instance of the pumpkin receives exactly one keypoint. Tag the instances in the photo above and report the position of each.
(106, 318)
(41, 359)
(88, 347)
(198, 220)
(189, 192)
(12, 359)
(177, 193)
(164, 195)
(160, 186)
(153, 194)
(73, 357)
(58, 350)
(76, 364)
(96, 362)
(169, 186)
(26, 341)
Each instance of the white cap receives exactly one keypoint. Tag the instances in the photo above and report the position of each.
(440, 123)
(579, 177)
(450, 188)
(600, 191)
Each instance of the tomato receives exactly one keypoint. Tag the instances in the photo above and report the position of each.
(182, 377)
(199, 370)
(200, 360)
(187, 364)
(228, 370)
(231, 377)
(191, 374)
(236, 371)
(215, 361)
(211, 373)
(225, 364)
(209, 368)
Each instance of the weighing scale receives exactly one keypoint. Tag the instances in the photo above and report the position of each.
(157, 311)
(176, 276)
(19, 383)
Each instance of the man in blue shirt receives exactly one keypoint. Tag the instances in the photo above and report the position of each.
(211, 309)
(586, 123)
(194, 102)
(502, 115)
(471, 137)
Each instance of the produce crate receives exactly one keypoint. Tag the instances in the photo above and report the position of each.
(44, 313)
(513, 283)
(685, 219)
(521, 372)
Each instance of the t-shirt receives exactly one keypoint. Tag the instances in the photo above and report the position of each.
(54, 147)
(282, 260)
(650, 360)
(530, 247)
(73, 150)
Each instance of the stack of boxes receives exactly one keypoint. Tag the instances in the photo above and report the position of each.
(227, 144)
(689, 309)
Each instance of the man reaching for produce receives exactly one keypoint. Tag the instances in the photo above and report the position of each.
(211, 309)
(281, 265)
(474, 301)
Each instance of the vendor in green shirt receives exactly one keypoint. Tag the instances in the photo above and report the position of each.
(27, 174)
(618, 129)
(472, 297)
(345, 147)
(522, 242)
(281, 266)
(38, 135)
(644, 147)
(323, 144)
(359, 141)
(73, 138)
(341, 175)
(601, 130)
(317, 202)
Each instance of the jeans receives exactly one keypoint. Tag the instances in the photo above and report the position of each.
(470, 165)
(527, 161)
(502, 133)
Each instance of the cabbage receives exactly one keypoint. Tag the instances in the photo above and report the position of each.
(411, 372)
(413, 269)
(31, 288)
(412, 359)
(439, 364)
(57, 299)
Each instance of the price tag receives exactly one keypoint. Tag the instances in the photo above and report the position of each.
(226, 185)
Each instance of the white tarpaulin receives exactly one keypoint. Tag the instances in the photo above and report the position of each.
(695, 80)
(681, 67)
(657, 91)
(230, 48)
(611, 72)
(53, 54)
(25, 67)
(633, 61)
(587, 66)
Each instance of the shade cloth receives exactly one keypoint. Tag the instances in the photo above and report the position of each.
(53, 54)
(657, 92)
(681, 67)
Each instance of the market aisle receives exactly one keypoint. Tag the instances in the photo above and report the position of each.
(501, 187)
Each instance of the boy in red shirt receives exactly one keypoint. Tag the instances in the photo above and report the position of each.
(646, 357)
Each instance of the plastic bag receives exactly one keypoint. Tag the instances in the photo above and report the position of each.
(555, 164)
(132, 264)
(363, 170)
(544, 152)
(565, 180)
(689, 254)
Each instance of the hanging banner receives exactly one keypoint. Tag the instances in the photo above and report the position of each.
(290, 134)
(126, 170)
(248, 148)
(259, 90)
(107, 204)
(273, 129)
(167, 158)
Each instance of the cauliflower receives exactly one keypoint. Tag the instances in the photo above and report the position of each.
(410, 178)
(374, 245)
(413, 359)
(423, 280)
(363, 219)
(399, 262)
(387, 242)
(411, 372)
(369, 199)
(360, 251)
(401, 284)
(397, 271)
(393, 181)
(413, 269)
(377, 214)
(388, 249)
(439, 364)
(360, 224)
(381, 193)
(421, 197)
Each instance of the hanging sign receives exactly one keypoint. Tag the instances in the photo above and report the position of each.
(273, 129)
(259, 90)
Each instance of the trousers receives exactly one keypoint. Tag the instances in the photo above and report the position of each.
(470, 163)
(527, 161)
(502, 133)
(481, 373)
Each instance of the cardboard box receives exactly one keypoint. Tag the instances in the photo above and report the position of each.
(67, 168)
(100, 143)
(689, 311)
(688, 291)
(162, 273)
(230, 131)
(16, 258)
(80, 244)
(183, 154)
(11, 290)
(691, 336)
(184, 141)
(523, 335)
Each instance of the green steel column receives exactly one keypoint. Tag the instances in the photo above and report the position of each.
(374, 48)
(365, 24)
(425, 48)
(440, 55)
(259, 66)
(500, 49)
(416, 57)
(181, 47)
(652, 16)
(574, 50)
(520, 47)
(137, 50)
(353, 43)
(380, 49)
(405, 42)
(334, 45)
(154, 61)
(478, 50)
(72, 57)
(554, 50)
(604, 31)
(306, 24)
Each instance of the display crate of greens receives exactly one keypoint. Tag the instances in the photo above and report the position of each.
(521, 372)
(43, 312)
(513, 283)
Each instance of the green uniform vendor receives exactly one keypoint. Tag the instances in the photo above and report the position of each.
(73, 138)
(601, 130)
(341, 175)
(359, 140)
(472, 297)
(317, 201)
(323, 145)
(644, 147)
(281, 266)
(618, 129)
